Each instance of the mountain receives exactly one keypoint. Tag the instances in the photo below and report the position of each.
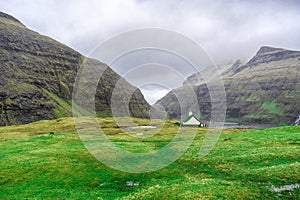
(297, 121)
(37, 75)
(266, 89)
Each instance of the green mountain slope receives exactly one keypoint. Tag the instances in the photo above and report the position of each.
(37, 75)
(266, 89)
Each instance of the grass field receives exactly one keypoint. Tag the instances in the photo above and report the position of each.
(243, 165)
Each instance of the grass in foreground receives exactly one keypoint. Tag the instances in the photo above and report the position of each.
(243, 164)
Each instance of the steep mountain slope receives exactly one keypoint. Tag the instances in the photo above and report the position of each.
(266, 89)
(37, 75)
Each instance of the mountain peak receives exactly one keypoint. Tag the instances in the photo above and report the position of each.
(270, 54)
(37, 75)
(9, 17)
(267, 49)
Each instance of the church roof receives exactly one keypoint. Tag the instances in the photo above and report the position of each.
(187, 118)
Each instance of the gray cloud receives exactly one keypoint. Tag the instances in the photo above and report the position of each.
(227, 30)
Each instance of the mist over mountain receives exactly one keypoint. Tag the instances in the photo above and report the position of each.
(266, 89)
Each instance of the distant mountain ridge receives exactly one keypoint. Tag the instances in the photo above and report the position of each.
(265, 89)
(37, 75)
(269, 54)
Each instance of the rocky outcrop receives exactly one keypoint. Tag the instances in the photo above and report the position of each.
(9, 17)
(37, 75)
(297, 121)
(266, 89)
(268, 55)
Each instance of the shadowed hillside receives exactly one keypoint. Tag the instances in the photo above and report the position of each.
(37, 75)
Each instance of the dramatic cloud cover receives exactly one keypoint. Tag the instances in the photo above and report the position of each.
(227, 30)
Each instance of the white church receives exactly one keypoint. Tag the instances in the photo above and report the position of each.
(191, 120)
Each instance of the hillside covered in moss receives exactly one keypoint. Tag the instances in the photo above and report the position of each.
(37, 75)
(265, 89)
(245, 164)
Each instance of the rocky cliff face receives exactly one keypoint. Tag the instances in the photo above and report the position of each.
(266, 89)
(37, 75)
(297, 121)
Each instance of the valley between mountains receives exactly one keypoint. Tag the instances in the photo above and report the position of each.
(38, 73)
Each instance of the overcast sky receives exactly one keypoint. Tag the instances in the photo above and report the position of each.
(226, 29)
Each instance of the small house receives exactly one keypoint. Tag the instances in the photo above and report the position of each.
(192, 120)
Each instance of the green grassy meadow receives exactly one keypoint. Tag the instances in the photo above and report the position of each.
(243, 164)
